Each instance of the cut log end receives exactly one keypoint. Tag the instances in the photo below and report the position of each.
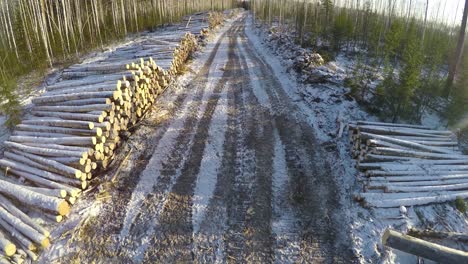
(45, 243)
(63, 193)
(78, 174)
(63, 208)
(9, 250)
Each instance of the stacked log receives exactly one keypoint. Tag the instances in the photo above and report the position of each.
(75, 129)
(405, 165)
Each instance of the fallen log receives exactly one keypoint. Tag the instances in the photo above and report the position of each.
(98, 118)
(62, 130)
(8, 164)
(82, 102)
(47, 152)
(60, 123)
(405, 131)
(72, 141)
(416, 154)
(438, 235)
(75, 109)
(378, 196)
(434, 198)
(421, 248)
(379, 173)
(390, 124)
(419, 178)
(34, 199)
(8, 248)
(5, 203)
(409, 160)
(448, 187)
(56, 166)
(23, 241)
(50, 192)
(382, 184)
(404, 143)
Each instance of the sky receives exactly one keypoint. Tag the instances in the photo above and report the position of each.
(450, 11)
(447, 11)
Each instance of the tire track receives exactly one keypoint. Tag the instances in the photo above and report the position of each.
(166, 168)
(174, 225)
(312, 191)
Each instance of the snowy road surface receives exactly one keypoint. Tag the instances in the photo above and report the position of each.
(227, 169)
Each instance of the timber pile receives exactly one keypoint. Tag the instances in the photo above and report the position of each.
(74, 131)
(406, 165)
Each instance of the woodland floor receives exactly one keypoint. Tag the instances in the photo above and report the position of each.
(226, 168)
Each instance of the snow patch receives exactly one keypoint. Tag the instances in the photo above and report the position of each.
(212, 156)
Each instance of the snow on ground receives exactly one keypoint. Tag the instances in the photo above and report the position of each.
(287, 244)
(261, 95)
(211, 162)
(150, 175)
(322, 103)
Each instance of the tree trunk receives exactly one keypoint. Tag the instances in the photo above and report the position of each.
(458, 53)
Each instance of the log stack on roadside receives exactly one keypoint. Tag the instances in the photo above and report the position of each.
(405, 165)
(73, 132)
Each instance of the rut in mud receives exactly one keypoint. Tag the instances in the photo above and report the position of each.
(233, 173)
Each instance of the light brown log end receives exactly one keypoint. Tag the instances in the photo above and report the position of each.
(45, 243)
(58, 218)
(90, 125)
(94, 140)
(385, 236)
(84, 184)
(63, 208)
(78, 174)
(72, 200)
(63, 193)
(9, 250)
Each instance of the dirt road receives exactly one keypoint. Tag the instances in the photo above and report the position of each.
(229, 170)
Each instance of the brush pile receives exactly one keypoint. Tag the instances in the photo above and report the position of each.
(405, 165)
(74, 131)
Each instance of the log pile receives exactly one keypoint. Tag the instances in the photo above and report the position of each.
(74, 131)
(406, 165)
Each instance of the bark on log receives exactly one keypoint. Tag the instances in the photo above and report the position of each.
(59, 193)
(409, 160)
(434, 198)
(449, 187)
(83, 102)
(405, 132)
(438, 235)
(76, 109)
(23, 241)
(34, 199)
(416, 154)
(404, 143)
(71, 116)
(8, 164)
(47, 152)
(76, 96)
(390, 124)
(420, 178)
(423, 248)
(8, 248)
(62, 130)
(72, 141)
(57, 166)
(374, 173)
(60, 123)
(5, 203)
